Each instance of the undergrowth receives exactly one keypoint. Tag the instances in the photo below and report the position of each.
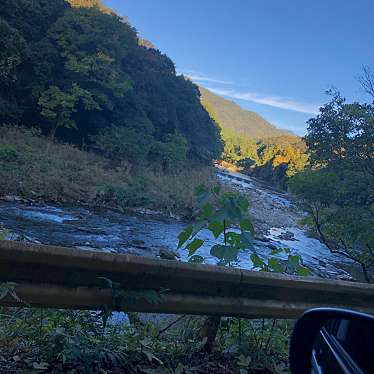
(57, 341)
(34, 167)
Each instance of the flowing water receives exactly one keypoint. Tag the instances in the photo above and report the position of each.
(110, 231)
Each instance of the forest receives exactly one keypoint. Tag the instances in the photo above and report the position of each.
(253, 145)
(337, 188)
(82, 76)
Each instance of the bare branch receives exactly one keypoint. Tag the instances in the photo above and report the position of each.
(366, 80)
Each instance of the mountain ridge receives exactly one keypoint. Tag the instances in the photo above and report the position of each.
(237, 121)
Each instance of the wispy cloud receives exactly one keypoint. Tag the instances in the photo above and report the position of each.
(200, 77)
(274, 101)
(254, 97)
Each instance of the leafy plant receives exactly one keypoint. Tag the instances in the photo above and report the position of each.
(8, 288)
(225, 215)
(337, 189)
(3, 233)
(134, 194)
(121, 298)
(292, 265)
(8, 153)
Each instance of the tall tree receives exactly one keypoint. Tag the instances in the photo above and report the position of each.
(338, 190)
(76, 69)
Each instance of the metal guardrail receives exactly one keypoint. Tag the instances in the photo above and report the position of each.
(58, 277)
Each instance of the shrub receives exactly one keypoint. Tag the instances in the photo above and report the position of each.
(123, 143)
(32, 166)
(8, 154)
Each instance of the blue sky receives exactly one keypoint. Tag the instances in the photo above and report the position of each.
(275, 57)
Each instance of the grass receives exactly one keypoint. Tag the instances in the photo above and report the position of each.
(33, 167)
(57, 341)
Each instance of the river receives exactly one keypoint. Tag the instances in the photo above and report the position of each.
(275, 217)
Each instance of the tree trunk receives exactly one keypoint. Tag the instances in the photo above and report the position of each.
(53, 132)
(209, 331)
(134, 319)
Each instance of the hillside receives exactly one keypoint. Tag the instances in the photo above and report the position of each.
(235, 120)
(80, 74)
(254, 145)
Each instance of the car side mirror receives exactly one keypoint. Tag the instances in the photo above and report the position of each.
(332, 341)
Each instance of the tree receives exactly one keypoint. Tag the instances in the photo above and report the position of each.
(75, 65)
(338, 188)
(12, 54)
(171, 152)
(367, 80)
(342, 135)
(58, 106)
(125, 143)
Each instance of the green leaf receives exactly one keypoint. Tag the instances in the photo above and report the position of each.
(4, 290)
(7, 288)
(303, 271)
(150, 356)
(194, 246)
(274, 264)
(203, 198)
(234, 239)
(294, 260)
(231, 254)
(246, 225)
(3, 234)
(242, 203)
(184, 235)
(216, 189)
(206, 211)
(218, 251)
(256, 260)
(225, 253)
(200, 189)
(109, 283)
(276, 251)
(233, 212)
(197, 227)
(247, 239)
(151, 296)
(40, 365)
(216, 228)
(196, 259)
(220, 216)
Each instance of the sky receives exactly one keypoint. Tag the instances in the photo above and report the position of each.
(274, 57)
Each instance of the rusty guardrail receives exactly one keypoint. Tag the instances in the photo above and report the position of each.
(58, 277)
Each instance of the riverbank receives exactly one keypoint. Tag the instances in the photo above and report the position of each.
(40, 180)
(270, 208)
(35, 169)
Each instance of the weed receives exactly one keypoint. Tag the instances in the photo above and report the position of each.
(31, 166)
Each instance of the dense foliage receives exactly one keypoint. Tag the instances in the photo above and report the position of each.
(226, 216)
(338, 188)
(79, 71)
(253, 144)
(273, 160)
(58, 341)
(34, 167)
